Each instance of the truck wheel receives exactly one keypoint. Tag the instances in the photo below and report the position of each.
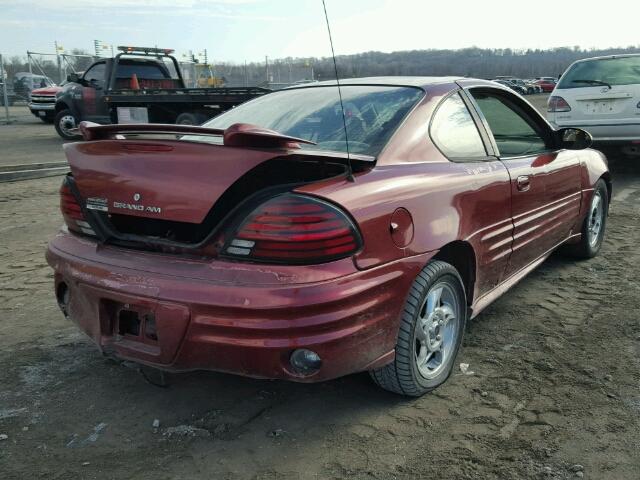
(64, 122)
(430, 333)
(188, 118)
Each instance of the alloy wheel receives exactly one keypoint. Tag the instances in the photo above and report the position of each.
(596, 217)
(436, 330)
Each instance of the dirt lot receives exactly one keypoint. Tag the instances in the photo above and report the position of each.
(27, 139)
(555, 391)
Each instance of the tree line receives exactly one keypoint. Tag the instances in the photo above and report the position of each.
(468, 62)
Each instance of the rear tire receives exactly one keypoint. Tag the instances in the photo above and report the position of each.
(594, 225)
(430, 333)
(188, 118)
(64, 122)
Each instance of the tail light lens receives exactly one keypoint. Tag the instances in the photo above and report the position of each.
(294, 228)
(72, 212)
(558, 104)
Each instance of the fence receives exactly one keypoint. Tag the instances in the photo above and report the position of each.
(5, 94)
(64, 63)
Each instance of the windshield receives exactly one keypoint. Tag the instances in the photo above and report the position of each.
(606, 71)
(372, 115)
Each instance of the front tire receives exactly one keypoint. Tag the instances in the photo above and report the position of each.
(430, 333)
(65, 122)
(594, 225)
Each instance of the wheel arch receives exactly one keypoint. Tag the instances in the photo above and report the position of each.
(462, 256)
(606, 176)
(62, 106)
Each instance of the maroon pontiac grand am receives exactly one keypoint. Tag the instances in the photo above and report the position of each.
(259, 245)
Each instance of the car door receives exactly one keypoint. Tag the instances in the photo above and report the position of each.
(485, 187)
(92, 106)
(545, 181)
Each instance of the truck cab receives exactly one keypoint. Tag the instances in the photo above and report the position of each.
(86, 96)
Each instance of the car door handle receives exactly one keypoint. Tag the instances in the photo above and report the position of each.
(523, 183)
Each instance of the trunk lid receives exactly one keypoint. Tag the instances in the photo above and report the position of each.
(175, 195)
(166, 180)
(602, 101)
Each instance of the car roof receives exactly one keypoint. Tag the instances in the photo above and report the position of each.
(400, 81)
(608, 57)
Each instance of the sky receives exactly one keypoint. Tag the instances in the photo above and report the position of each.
(248, 30)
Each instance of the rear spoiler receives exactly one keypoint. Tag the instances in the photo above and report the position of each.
(237, 135)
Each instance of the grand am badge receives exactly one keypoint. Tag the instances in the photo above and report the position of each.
(137, 207)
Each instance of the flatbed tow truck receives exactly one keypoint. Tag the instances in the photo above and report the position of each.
(140, 85)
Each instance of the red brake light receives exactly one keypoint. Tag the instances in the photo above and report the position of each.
(558, 104)
(294, 229)
(72, 212)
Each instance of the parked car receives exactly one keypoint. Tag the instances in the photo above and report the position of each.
(537, 88)
(513, 86)
(529, 88)
(547, 85)
(11, 98)
(24, 83)
(601, 95)
(277, 250)
(43, 103)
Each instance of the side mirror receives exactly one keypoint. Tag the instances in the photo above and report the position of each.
(574, 138)
(73, 77)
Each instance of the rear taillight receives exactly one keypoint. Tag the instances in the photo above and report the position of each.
(72, 212)
(558, 104)
(294, 229)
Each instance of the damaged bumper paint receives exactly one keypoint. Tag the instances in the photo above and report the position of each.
(183, 314)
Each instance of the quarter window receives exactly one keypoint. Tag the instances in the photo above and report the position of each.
(454, 132)
(513, 133)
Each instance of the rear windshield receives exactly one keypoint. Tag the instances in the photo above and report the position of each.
(372, 115)
(150, 71)
(611, 71)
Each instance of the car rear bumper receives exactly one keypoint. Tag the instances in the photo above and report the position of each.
(219, 321)
(605, 132)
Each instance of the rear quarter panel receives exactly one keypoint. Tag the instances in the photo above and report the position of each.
(447, 201)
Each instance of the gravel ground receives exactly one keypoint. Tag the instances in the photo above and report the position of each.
(555, 389)
(27, 139)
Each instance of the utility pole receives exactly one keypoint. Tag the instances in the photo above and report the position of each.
(246, 78)
(5, 95)
(59, 63)
(266, 63)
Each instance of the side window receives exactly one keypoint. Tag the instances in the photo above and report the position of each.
(454, 132)
(95, 75)
(512, 130)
